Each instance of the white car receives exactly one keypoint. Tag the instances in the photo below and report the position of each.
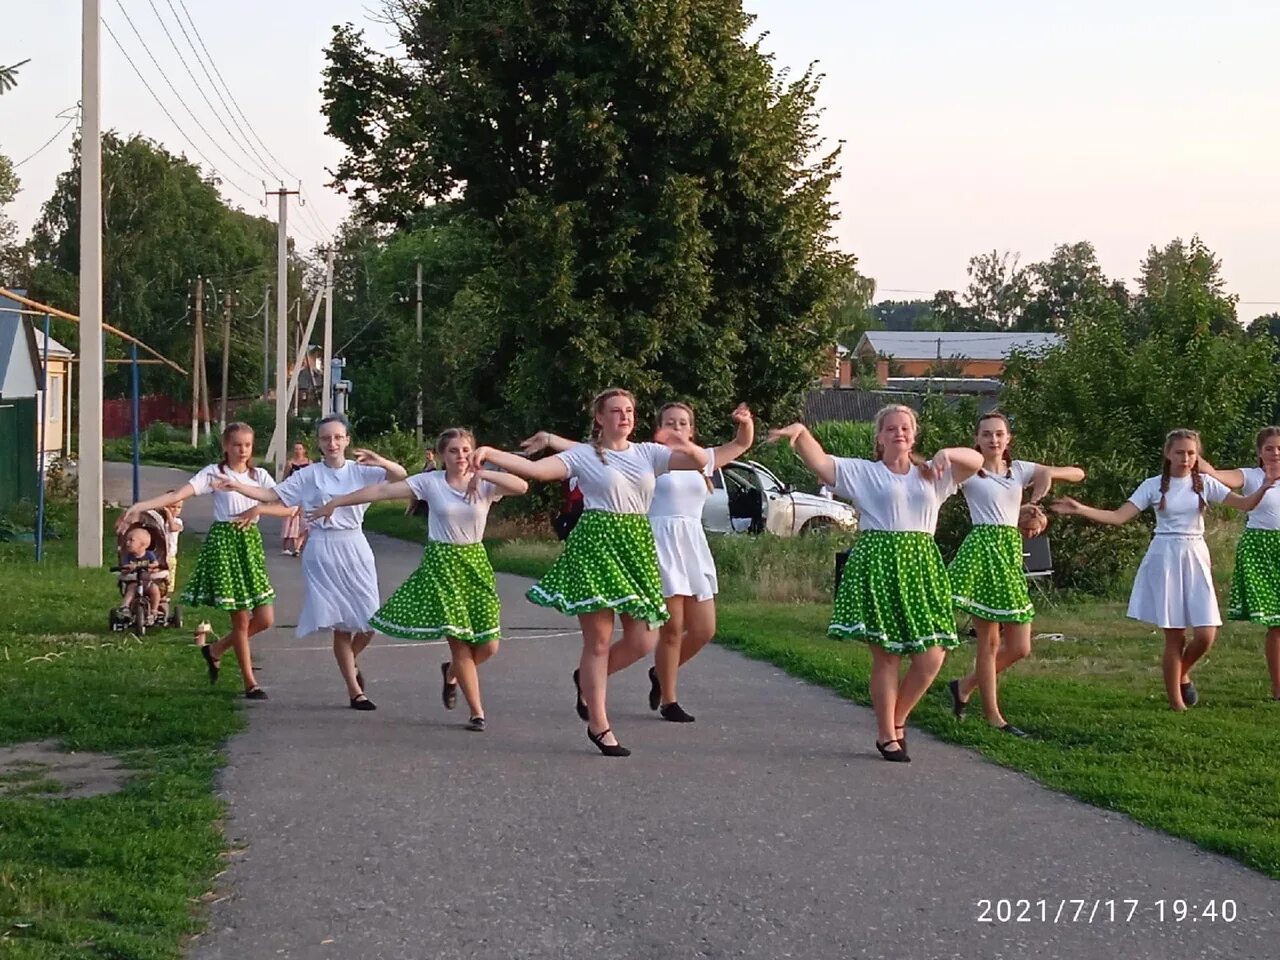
(747, 497)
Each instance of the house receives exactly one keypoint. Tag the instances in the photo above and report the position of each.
(920, 353)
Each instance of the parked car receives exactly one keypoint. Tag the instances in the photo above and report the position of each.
(747, 497)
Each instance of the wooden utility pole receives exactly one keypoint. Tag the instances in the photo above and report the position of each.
(326, 391)
(282, 319)
(197, 361)
(297, 334)
(226, 358)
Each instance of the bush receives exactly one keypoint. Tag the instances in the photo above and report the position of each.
(778, 569)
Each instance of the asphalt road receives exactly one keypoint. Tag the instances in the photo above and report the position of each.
(767, 829)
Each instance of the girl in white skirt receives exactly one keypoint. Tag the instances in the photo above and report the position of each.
(1255, 585)
(1173, 589)
(453, 594)
(688, 571)
(340, 582)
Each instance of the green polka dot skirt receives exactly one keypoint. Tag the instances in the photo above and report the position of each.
(452, 594)
(987, 580)
(895, 594)
(609, 562)
(1255, 586)
(231, 571)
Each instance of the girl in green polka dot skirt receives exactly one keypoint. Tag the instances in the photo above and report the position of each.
(987, 577)
(610, 563)
(1255, 586)
(231, 571)
(452, 595)
(894, 594)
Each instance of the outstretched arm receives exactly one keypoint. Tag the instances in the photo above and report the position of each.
(389, 490)
(963, 461)
(370, 459)
(1228, 478)
(1252, 500)
(155, 503)
(743, 439)
(250, 490)
(809, 450)
(545, 440)
(1074, 508)
(250, 516)
(508, 483)
(1045, 476)
(685, 454)
(543, 471)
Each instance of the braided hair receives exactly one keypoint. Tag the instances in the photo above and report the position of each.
(597, 405)
(1197, 480)
(228, 432)
(1005, 455)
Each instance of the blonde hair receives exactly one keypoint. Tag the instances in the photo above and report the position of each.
(882, 415)
(1197, 481)
(228, 432)
(693, 422)
(597, 404)
(453, 433)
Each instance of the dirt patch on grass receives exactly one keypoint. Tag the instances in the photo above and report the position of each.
(40, 770)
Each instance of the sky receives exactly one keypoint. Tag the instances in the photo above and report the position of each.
(967, 125)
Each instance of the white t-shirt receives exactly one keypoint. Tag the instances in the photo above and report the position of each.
(452, 519)
(997, 499)
(890, 501)
(227, 505)
(624, 482)
(1266, 515)
(682, 493)
(173, 527)
(319, 483)
(1181, 513)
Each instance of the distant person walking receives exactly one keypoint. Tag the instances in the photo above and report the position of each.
(293, 531)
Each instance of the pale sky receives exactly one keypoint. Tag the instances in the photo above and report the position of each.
(968, 126)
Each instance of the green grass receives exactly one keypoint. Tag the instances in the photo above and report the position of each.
(117, 876)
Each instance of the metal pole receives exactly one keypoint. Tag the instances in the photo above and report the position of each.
(266, 341)
(226, 358)
(44, 431)
(326, 389)
(282, 324)
(195, 363)
(418, 365)
(137, 438)
(89, 471)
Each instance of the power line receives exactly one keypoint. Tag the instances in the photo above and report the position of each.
(224, 179)
(243, 141)
(226, 86)
(44, 146)
(200, 90)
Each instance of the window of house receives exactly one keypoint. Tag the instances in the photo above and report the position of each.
(53, 398)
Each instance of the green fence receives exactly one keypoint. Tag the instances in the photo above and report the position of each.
(17, 450)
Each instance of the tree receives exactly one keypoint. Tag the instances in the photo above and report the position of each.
(9, 75)
(853, 315)
(12, 258)
(1068, 284)
(655, 214)
(163, 225)
(998, 291)
(1182, 292)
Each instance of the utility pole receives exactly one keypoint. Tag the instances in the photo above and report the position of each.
(282, 320)
(297, 339)
(266, 341)
(226, 358)
(205, 414)
(418, 365)
(196, 360)
(89, 455)
(326, 394)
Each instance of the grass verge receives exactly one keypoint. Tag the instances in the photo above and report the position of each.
(121, 875)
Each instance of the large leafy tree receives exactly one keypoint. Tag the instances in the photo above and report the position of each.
(12, 259)
(164, 224)
(644, 184)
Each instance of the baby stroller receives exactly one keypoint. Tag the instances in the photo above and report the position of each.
(138, 616)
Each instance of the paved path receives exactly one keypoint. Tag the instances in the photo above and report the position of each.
(766, 830)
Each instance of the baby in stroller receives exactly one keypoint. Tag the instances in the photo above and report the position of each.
(142, 567)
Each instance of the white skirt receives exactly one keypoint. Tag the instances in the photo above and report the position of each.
(1174, 586)
(684, 558)
(340, 582)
